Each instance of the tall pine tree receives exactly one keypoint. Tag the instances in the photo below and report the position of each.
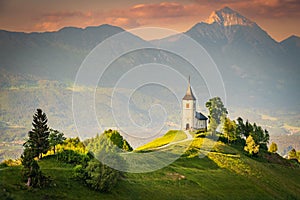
(38, 140)
(36, 144)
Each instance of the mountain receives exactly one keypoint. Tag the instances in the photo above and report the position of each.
(228, 17)
(46, 54)
(292, 48)
(252, 64)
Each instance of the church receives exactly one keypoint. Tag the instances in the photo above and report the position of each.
(191, 119)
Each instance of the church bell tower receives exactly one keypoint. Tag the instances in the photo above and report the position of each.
(188, 109)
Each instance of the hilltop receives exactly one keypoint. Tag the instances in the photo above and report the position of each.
(226, 172)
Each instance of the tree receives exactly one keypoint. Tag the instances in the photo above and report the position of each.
(216, 112)
(36, 144)
(31, 170)
(259, 135)
(273, 147)
(293, 154)
(55, 138)
(240, 127)
(38, 140)
(229, 129)
(251, 147)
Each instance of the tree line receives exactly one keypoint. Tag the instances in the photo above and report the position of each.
(253, 137)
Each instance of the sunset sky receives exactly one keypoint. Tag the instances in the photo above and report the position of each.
(280, 18)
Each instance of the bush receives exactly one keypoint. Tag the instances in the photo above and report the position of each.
(101, 177)
(72, 157)
(11, 162)
(79, 173)
(98, 176)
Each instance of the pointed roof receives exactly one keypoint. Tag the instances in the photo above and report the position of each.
(189, 93)
(200, 116)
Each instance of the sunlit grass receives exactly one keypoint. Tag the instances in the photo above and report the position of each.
(170, 136)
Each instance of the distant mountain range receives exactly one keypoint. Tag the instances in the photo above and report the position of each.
(258, 72)
(253, 65)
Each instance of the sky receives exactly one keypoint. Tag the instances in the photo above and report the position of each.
(280, 18)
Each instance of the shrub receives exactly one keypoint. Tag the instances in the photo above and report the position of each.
(72, 157)
(101, 177)
(98, 176)
(79, 173)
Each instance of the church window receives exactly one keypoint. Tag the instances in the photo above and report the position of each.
(187, 105)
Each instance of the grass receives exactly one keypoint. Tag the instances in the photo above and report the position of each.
(225, 173)
(170, 136)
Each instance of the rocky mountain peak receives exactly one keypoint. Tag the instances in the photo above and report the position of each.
(228, 17)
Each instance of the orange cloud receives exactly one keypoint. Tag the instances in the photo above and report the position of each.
(134, 16)
(122, 22)
(161, 10)
(255, 8)
(47, 26)
(56, 16)
(179, 15)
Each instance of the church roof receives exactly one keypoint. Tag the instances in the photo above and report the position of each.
(189, 93)
(200, 116)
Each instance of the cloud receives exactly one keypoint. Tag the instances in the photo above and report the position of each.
(47, 26)
(61, 15)
(122, 22)
(131, 17)
(180, 13)
(161, 10)
(257, 8)
(153, 14)
(155, 11)
(51, 21)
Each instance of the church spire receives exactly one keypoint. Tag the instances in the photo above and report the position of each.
(189, 93)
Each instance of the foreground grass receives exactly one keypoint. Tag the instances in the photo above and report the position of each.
(225, 173)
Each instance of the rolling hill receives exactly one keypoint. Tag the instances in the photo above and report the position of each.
(224, 173)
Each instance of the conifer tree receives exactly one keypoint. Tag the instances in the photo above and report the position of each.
(31, 170)
(36, 144)
(38, 140)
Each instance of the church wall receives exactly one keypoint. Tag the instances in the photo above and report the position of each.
(188, 113)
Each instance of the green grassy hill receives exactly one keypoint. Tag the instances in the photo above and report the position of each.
(225, 173)
(170, 136)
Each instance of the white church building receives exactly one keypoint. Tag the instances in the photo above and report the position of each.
(191, 119)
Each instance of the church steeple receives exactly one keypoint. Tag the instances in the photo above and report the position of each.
(189, 93)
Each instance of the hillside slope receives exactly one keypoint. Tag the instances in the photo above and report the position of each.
(225, 173)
